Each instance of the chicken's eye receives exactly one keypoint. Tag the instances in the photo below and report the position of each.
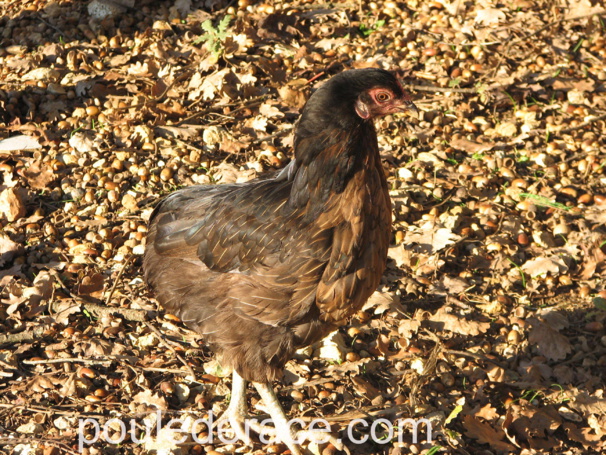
(383, 96)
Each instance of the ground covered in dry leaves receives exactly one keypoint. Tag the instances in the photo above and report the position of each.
(490, 319)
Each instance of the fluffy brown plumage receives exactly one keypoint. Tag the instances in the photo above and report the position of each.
(269, 266)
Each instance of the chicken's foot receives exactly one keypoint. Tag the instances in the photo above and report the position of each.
(235, 413)
(283, 430)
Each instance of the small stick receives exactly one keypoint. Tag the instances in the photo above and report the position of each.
(173, 350)
(103, 310)
(431, 88)
(475, 357)
(37, 440)
(536, 32)
(540, 131)
(128, 313)
(29, 335)
(173, 371)
(117, 280)
(246, 104)
(581, 125)
(67, 360)
(556, 22)
(271, 136)
(317, 76)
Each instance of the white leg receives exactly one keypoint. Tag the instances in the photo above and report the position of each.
(285, 432)
(235, 413)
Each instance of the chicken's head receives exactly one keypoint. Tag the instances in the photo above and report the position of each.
(386, 97)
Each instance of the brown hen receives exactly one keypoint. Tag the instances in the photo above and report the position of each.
(263, 268)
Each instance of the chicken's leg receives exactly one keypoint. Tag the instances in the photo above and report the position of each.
(235, 413)
(282, 429)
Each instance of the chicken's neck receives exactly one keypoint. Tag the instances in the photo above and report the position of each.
(326, 162)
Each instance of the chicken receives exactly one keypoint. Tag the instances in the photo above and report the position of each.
(263, 268)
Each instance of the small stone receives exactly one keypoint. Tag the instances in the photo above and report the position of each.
(139, 250)
(129, 202)
(506, 129)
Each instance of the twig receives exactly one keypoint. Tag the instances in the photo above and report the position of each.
(96, 310)
(102, 310)
(365, 412)
(536, 32)
(431, 88)
(541, 131)
(37, 440)
(67, 360)
(471, 355)
(580, 125)
(580, 155)
(50, 410)
(127, 313)
(271, 136)
(246, 104)
(173, 371)
(54, 27)
(173, 350)
(29, 335)
(179, 78)
(557, 22)
(316, 77)
(29, 408)
(117, 280)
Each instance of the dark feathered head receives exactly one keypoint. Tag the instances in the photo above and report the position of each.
(351, 98)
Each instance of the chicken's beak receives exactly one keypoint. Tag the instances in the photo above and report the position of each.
(409, 108)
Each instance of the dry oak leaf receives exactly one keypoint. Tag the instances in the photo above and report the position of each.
(63, 309)
(332, 348)
(270, 111)
(485, 433)
(82, 141)
(582, 435)
(445, 320)
(18, 143)
(554, 319)
(582, 8)
(408, 328)
(588, 404)
(183, 131)
(431, 237)
(41, 291)
(493, 308)
(541, 266)
(12, 206)
(449, 285)
(470, 146)
(8, 249)
(38, 176)
(381, 302)
(594, 259)
(506, 129)
(6, 275)
(486, 412)
(401, 255)
(550, 343)
(292, 97)
(365, 388)
(207, 86)
(534, 426)
(92, 285)
(148, 398)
